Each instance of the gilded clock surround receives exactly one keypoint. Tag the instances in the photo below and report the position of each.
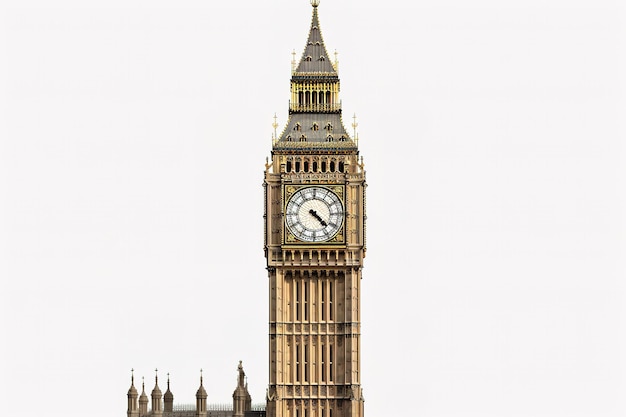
(337, 238)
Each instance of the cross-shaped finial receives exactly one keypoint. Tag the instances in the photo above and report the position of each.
(354, 124)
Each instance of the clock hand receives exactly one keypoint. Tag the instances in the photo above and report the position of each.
(319, 219)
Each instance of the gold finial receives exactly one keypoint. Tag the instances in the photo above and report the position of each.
(336, 61)
(132, 376)
(354, 126)
(274, 125)
(315, 3)
(293, 60)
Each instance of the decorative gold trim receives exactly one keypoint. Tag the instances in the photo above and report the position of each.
(348, 143)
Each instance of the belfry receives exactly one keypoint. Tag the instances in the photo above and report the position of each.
(314, 243)
(314, 246)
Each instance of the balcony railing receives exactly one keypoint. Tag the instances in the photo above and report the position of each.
(315, 108)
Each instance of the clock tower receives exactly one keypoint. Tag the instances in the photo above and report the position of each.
(314, 245)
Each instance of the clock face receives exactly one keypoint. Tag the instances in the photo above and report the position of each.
(314, 214)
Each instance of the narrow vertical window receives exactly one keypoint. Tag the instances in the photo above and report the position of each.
(297, 166)
(323, 347)
(332, 166)
(306, 166)
(297, 363)
(323, 166)
(297, 284)
(330, 300)
(306, 301)
(288, 166)
(323, 300)
(306, 363)
(314, 166)
(341, 167)
(315, 366)
(330, 363)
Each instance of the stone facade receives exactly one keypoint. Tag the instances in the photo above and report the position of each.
(315, 246)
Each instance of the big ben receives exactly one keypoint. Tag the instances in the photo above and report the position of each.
(314, 245)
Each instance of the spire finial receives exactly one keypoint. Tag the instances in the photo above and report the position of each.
(293, 60)
(156, 375)
(354, 126)
(132, 376)
(201, 376)
(168, 381)
(275, 125)
(315, 3)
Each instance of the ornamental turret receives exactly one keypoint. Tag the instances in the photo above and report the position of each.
(143, 400)
(168, 397)
(133, 407)
(201, 397)
(157, 408)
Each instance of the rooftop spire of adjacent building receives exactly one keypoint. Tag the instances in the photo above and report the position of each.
(201, 393)
(132, 389)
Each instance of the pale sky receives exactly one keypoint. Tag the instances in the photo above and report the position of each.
(133, 137)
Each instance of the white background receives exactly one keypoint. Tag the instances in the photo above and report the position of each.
(133, 136)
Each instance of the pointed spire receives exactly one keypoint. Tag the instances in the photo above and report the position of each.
(315, 58)
(133, 410)
(201, 400)
(168, 393)
(314, 108)
(168, 397)
(143, 399)
(201, 393)
(132, 390)
(156, 391)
